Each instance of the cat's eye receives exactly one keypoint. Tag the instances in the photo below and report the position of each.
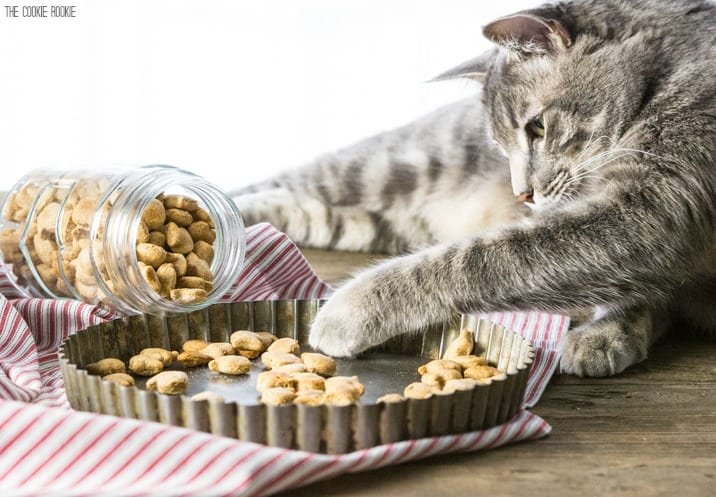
(535, 127)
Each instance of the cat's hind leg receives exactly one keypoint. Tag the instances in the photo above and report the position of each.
(613, 341)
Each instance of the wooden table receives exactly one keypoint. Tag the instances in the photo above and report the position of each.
(650, 431)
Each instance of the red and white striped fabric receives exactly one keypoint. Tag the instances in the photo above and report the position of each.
(47, 449)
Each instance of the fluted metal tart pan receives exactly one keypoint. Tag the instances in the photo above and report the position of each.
(326, 429)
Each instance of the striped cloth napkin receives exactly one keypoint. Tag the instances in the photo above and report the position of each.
(47, 449)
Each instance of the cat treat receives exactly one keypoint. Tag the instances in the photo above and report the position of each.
(169, 382)
(458, 384)
(309, 397)
(275, 359)
(286, 345)
(468, 361)
(309, 381)
(341, 397)
(480, 372)
(230, 364)
(461, 346)
(295, 367)
(194, 345)
(278, 396)
(181, 260)
(106, 367)
(419, 390)
(217, 349)
(272, 379)
(158, 353)
(190, 282)
(247, 343)
(144, 365)
(437, 379)
(193, 359)
(439, 365)
(178, 239)
(121, 379)
(188, 296)
(319, 363)
(266, 337)
(344, 382)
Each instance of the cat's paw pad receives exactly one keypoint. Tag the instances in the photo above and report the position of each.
(599, 349)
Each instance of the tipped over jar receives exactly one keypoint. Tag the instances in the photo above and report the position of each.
(153, 239)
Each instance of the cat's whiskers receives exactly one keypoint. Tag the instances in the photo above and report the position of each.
(591, 144)
(556, 183)
(581, 169)
(587, 163)
(600, 165)
(644, 152)
(562, 181)
(586, 147)
(586, 169)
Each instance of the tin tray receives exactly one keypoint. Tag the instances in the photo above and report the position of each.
(327, 429)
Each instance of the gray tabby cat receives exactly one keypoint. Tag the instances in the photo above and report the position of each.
(582, 177)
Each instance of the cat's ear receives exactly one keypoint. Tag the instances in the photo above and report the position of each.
(528, 32)
(472, 69)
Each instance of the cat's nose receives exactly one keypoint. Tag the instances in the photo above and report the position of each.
(526, 196)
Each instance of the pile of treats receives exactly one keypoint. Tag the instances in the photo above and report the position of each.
(290, 378)
(457, 370)
(175, 243)
(70, 273)
(175, 248)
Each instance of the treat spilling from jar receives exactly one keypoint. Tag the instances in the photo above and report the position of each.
(175, 243)
(175, 248)
(59, 260)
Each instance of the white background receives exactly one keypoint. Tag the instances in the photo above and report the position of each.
(232, 90)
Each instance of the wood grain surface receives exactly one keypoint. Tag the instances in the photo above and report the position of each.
(650, 431)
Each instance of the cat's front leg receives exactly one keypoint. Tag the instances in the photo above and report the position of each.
(613, 341)
(565, 262)
(399, 295)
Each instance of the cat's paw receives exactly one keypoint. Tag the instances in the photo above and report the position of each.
(600, 349)
(376, 305)
(348, 323)
(385, 301)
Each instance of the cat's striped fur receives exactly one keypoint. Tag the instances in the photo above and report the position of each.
(435, 180)
(603, 117)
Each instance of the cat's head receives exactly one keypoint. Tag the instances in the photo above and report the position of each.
(563, 87)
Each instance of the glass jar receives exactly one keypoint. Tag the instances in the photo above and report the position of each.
(152, 239)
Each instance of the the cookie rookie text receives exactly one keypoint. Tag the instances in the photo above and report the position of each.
(40, 11)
